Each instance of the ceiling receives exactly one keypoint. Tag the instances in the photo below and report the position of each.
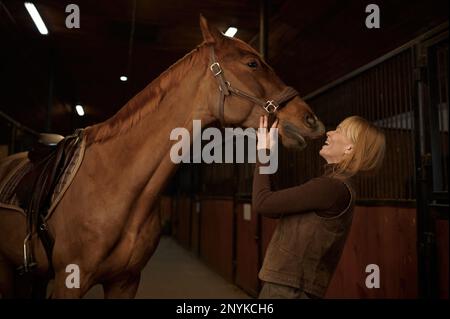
(310, 44)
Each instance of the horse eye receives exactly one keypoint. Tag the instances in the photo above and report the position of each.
(253, 64)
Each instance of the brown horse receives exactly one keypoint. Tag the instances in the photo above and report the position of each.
(107, 222)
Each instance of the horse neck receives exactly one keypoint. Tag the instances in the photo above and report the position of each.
(136, 163)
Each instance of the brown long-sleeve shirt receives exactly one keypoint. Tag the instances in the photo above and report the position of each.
(315, 220)
(324, 195)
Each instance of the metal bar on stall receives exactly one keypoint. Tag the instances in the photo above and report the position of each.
(390, 119)
(378, 193)
(373, 96)
(425, 235)
(407, 124)
(358, 89)
(385, 194)
(403, 163)
(368, 101)
(443, 67)
(400, 102)
(407, 45)
(433, 110)
(17, 124)
(409, 68)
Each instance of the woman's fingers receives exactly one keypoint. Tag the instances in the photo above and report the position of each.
(263, 121)
(266, 135)
(275, 124)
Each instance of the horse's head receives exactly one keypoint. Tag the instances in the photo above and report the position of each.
(241, 71)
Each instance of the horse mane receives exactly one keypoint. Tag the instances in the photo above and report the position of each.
(143, 103)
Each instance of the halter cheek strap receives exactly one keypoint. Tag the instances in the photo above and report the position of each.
(225, 88)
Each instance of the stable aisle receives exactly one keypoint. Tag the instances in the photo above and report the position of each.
(174, 272)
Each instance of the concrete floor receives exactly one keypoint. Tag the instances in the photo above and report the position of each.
(174, 272)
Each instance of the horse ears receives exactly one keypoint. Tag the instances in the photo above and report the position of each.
(210, 35)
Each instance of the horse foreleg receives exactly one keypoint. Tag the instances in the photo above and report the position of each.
(123, 288)
(14, 285)
(62, 288)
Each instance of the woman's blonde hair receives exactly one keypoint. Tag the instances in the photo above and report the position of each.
(368, 148)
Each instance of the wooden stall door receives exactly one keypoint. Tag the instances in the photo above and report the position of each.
(385, 236)
(216, 235)
(165, 209)
(195, 226)
(247, 249)
(183, 224)
(442, 256)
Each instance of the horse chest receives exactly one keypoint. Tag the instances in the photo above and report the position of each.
(135, 248)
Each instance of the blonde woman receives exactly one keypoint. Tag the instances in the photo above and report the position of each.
(315, 217)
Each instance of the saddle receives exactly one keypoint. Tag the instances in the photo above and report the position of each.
(49, 159)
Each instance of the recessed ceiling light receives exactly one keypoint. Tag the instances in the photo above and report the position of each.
(80, 110)
(123, 78)
(231, 32)
(40, 25)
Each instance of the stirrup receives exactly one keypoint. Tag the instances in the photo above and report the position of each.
(28, 265)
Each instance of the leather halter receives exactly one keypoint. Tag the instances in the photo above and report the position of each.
(225, 88)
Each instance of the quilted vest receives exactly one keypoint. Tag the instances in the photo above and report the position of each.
(305, 249)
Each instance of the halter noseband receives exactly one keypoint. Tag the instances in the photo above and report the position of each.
(225, 88)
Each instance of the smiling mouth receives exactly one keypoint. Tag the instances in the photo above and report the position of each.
(292, 132)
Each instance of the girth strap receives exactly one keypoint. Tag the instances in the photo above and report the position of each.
(225, 88)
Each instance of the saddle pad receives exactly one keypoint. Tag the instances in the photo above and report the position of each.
(19, 165)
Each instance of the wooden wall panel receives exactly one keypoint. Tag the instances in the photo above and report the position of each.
(442, 256)
(385, 236)
(183, 234)
(405, 247)
(174, 219)
(165, 209)
(216, 235)
(195, 226)
(247, 249)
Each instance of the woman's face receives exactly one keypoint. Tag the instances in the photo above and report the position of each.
(336, 146)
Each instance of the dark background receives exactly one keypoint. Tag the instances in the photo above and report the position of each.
(310, 44)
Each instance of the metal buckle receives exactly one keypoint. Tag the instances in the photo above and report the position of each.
(215, 64)
(270, 107)
(227, 83)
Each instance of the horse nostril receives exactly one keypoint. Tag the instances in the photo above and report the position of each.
(310, 120)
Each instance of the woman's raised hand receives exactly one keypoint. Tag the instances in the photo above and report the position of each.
(266, 139)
